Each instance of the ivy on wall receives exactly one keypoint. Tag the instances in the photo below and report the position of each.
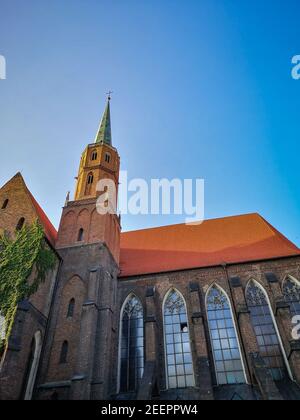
(21, 256)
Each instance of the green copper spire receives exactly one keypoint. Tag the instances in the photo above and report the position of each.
(104, 131)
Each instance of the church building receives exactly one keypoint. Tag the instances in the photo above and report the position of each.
(188, 312)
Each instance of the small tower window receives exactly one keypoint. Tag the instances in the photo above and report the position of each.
(90, 179)
(94, 155)
(89, 183)
(20, 223)
(71, 308)
(64, 352)
(5, 204)
(80, 235)
(107, 157)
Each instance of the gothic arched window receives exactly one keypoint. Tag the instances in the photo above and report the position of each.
(71, 308)
(20, 223)
(132, 345)
(265, 330)
(32, 366)
(180, 373)
(64, 352)
(291, 293)
(226, 349)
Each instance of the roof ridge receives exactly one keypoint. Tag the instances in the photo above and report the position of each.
(192, 224)
(283, 237)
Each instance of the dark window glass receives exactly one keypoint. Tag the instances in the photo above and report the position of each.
(265, 330)
(5, 204)
(94, 155)
(227, 356)
(107, 158)
(20, 223)
(64, 352)
(132, 345)
(71, 308)
(90, 178)
(80, 235)
(180, 372)
(291, 292)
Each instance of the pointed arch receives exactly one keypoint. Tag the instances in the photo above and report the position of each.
(32, 365)
(266, 330)
(131, 344)
(291, 293)
(229, 365)
(178, 355)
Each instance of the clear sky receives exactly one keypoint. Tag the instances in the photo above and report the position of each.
(202, 89)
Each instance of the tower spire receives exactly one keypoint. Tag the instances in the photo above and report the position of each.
(104, 132)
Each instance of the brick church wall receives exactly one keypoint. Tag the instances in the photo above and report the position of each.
(204, 278)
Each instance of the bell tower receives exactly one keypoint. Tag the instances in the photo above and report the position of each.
(81, 223)
(89, 245)
(99, 160)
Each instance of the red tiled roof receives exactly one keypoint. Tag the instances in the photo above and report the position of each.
(228, 240)
(50, 231)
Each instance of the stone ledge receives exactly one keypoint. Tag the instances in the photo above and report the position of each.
(50, 385)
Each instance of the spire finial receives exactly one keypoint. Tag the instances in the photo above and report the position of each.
(109, 95)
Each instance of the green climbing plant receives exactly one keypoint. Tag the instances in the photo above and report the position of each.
(21, 256)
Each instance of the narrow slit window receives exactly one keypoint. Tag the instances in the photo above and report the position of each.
(64, 352)
(20, 224)
(80, 235)
(71, 308)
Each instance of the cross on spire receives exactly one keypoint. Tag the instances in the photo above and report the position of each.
(109, 95)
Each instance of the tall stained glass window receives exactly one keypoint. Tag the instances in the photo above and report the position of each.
(266, 334)
(226, 350)
(132, 345)
(180, 372)
(291, 292)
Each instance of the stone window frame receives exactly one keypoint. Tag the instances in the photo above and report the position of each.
(170, 290)
(126, 300)
(238, 338)
(285, 359)
(293, 279)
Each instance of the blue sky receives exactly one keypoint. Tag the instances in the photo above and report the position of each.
(202, 89)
